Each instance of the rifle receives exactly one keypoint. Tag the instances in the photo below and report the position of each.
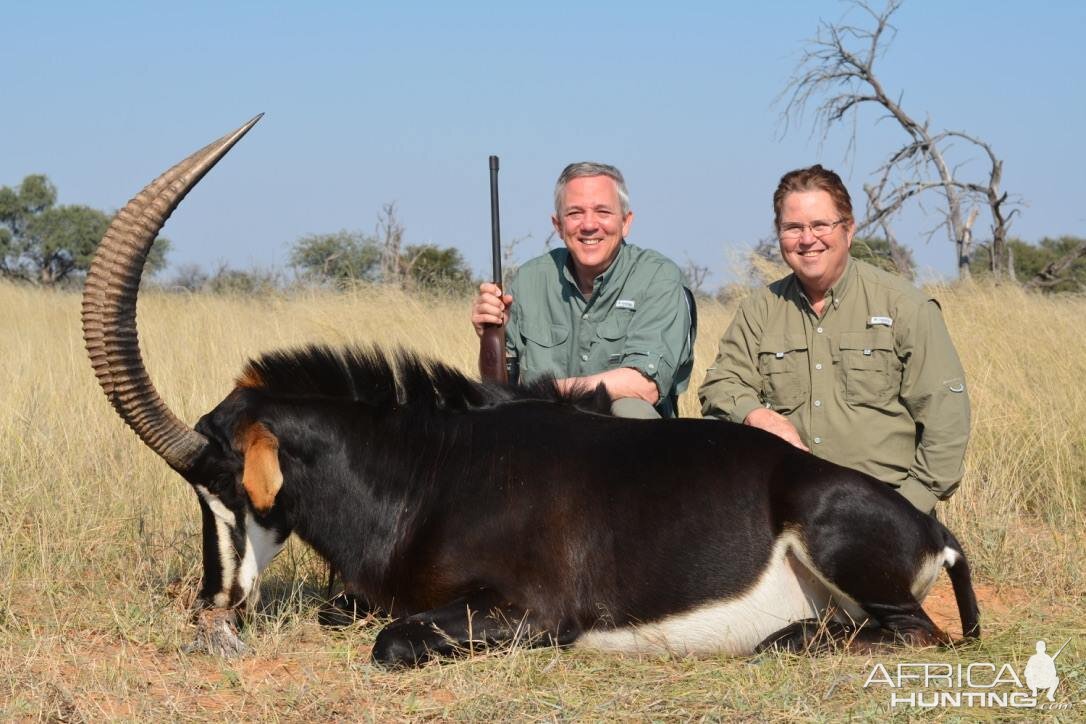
(492, 344)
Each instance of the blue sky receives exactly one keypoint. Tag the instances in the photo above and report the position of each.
(368, 103)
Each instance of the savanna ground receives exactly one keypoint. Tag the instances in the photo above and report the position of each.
(99, 549)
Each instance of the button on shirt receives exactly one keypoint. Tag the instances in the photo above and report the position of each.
(636, 317)
(874, 383)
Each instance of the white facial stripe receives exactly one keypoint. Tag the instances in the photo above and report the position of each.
(785, 592)
(227, 558)
(260, 548)
(249, 571)
(225, 521)
(264, 540)
(221, 511)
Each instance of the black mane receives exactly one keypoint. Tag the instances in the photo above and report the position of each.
(384, 380)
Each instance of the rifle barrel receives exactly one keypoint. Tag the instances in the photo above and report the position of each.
(492, 364)
(495, 223)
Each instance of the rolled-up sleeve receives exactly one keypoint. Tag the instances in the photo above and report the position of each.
(934, 392)
(732, 385)
(658, 338)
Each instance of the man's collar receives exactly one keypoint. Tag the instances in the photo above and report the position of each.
(601, 279)
(612, 270)
(834, 294)
(567, 269)
(837, 292)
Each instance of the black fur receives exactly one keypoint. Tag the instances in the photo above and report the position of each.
(479, 512)
(382, 381)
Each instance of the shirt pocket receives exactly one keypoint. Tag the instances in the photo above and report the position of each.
(871, 369)
(782, 364)
(610, 341)
(615, 327)
(543, 344)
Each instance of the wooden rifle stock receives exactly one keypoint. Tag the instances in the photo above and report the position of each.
(492, 354)
(492, 344)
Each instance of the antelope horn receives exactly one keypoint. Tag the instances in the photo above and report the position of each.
(109, 307)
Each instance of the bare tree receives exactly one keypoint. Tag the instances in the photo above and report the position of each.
(509, 258)
(836, 76)
(694, 276)
(390, 239)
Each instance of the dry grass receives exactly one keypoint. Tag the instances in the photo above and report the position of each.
(100, 550)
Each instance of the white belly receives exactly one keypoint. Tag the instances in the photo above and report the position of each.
(787, 591)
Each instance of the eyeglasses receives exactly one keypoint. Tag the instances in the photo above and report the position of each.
(818, 228)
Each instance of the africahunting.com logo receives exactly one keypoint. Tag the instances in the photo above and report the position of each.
(980, 684)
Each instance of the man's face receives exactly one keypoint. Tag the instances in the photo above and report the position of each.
(817, 261)
(592, 224)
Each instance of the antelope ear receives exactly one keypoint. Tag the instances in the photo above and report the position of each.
(262, 477)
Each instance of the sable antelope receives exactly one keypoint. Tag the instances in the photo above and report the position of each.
(480, 513)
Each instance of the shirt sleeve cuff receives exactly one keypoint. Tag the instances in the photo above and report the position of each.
(736, 413)
(651, 366)
(920, 495)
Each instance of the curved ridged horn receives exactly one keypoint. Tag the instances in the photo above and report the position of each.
(109, 306)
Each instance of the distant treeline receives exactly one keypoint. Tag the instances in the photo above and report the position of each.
(45, 244)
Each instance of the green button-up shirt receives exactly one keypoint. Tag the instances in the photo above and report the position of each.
(636, 317)
(874, 383)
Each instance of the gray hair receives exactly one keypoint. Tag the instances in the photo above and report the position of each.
(589, 168)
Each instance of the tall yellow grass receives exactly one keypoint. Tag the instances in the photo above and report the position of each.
(95, 527)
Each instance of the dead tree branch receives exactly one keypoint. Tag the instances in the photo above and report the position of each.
(836, 77)
(695, 275)
(1054, 272)
(390, 239)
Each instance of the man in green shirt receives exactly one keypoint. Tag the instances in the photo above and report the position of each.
(599, 310)
(842, 359)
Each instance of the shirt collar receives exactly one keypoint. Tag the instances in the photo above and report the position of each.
(621, 261)
(834, 294)
(837, 292)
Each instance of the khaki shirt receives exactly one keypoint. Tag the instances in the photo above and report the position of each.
(636, 317)
(874, 383)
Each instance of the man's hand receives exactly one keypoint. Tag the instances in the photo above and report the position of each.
(777, 424)
(489, 307)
